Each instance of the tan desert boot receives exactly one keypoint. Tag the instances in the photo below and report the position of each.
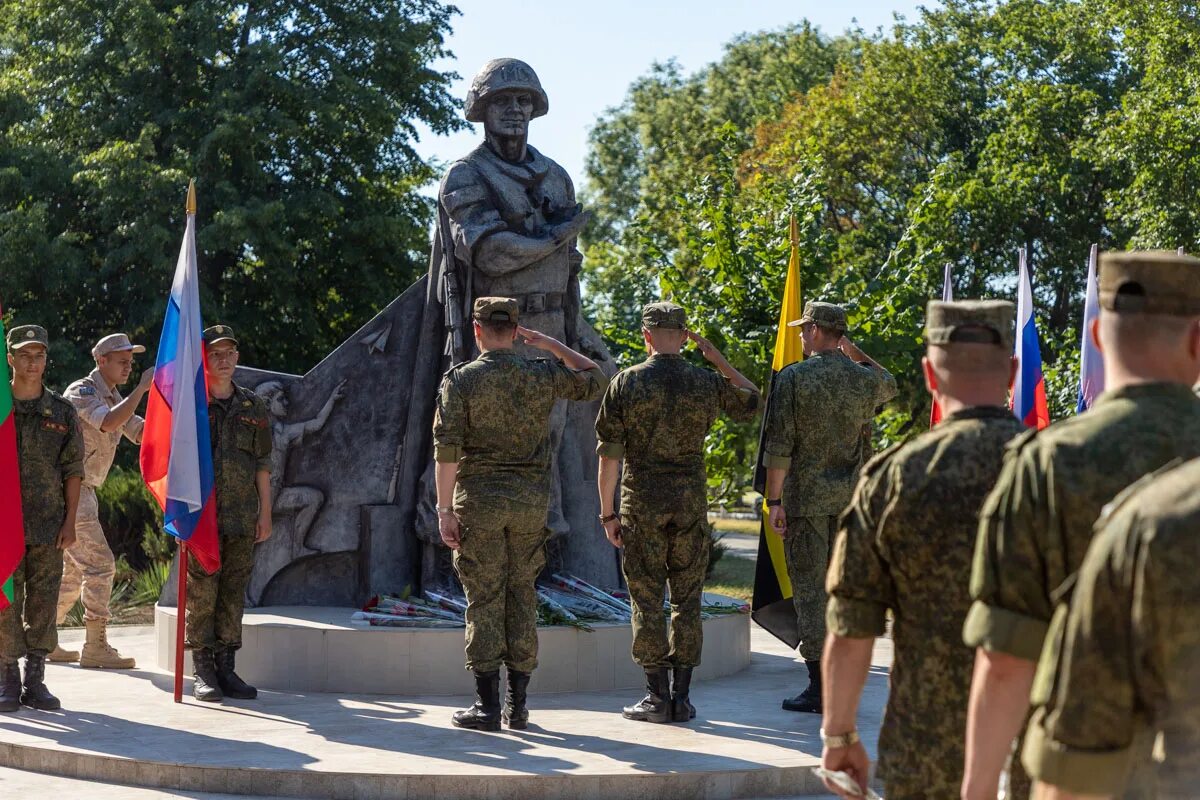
(60, 656)
(98, 653)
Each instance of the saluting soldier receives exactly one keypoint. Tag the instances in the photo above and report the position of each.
(88, 565)
(814, 449)
(1123, 664)
(1037, 523)
(491, 437)
(904, 546)
(655, 416)
(50, 463)
(240, 433)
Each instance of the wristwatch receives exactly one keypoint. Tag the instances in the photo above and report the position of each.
(778, 501)
(609, 518)
(841, 740)
(441, 510)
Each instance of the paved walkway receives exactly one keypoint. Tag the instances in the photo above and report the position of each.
(742, 545)
(294, 744)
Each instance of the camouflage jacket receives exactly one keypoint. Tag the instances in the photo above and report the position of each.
(814, 429)
(1037, 522)
(1123, 663)
(905, 544)
(240, 430)
(656, 416)
(493, 419)
(49, 450)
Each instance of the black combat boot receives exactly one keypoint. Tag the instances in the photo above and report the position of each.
(207, 686)
(808, 701)
(516, 715)
(682, 709)
(34, 692)
(484, 715)
(10, 687)
(231, 684)
(656, 705)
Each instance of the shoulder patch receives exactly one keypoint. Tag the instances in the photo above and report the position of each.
(85, 391)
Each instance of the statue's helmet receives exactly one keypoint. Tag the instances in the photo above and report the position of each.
(504, 74)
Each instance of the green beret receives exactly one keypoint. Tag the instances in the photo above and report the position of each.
(24, 335)
(219, 333)
(664, 315)
(827, 315)
(1150, 282)
(970, 322)
(496, 309)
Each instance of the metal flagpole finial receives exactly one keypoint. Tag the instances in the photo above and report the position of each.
(191, 198)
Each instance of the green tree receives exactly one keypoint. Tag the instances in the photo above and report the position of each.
(297, 120)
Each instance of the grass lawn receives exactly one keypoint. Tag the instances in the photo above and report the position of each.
(732, 576)
(737, 527)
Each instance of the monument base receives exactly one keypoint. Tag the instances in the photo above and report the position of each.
(318, 649)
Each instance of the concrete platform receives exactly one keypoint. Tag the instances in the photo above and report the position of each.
(122, 727)
(317, 649)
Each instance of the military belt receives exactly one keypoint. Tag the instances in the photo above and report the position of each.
(538, 302)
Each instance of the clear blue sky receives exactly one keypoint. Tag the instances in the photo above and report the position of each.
(588, 53)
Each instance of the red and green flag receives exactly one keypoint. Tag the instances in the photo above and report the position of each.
(12, 524)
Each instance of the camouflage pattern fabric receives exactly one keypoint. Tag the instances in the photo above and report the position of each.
(665, 550)
(1122, 663)
(240, 431)
(88, 565)
(905, 544)
(28, 625)
(814, 429)
(50, 450)
(498, 562)
(1037, 523)
(215, 602)
(656, 416)
(806, 554)
(493, 418)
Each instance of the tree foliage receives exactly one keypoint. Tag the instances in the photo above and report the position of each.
(297, 120)
(977, 129)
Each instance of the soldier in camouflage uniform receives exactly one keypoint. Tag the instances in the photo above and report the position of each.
(655, 416)
(88, 565)
(905, 545)
(240, 435)
(813, 444)
(491, 437)
(1123, 663)
(50, 464)
(1037, 523)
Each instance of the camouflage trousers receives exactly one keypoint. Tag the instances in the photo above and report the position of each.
(28, 625)
(498, 562)
(665, 551)
(88, 565)
(806, 551)
(215, 602)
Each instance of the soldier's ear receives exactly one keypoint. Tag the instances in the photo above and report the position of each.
(931, 384)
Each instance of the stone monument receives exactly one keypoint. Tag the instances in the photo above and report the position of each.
(353, 483)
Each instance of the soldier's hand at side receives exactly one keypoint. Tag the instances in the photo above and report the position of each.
(146, 381)
(449, 530)
(262, 528)
(852, 760)
(778, 521)
(612, 531)
(66, 536)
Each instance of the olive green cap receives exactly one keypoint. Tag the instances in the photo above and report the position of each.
(219, 333)
(25, 335)
(496, 309)
(664, 315)
(970, 322)
(827, 315)
(1150, 282)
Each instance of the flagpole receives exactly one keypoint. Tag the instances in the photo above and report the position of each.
(181, 616)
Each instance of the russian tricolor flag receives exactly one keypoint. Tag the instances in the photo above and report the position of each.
(1029, 390)
(935, 416)
(1091, 365)
(176, 453)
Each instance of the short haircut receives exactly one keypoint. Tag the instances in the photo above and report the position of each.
(498, 328)
(969, 358)
(1144, 331)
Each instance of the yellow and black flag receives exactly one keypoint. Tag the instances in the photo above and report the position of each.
(772, 605)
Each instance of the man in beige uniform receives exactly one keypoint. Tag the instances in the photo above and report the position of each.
(88, 565)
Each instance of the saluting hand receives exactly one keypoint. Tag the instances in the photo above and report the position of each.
(146, 380)
(538, 339)
(706, 348)
(448, 528)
